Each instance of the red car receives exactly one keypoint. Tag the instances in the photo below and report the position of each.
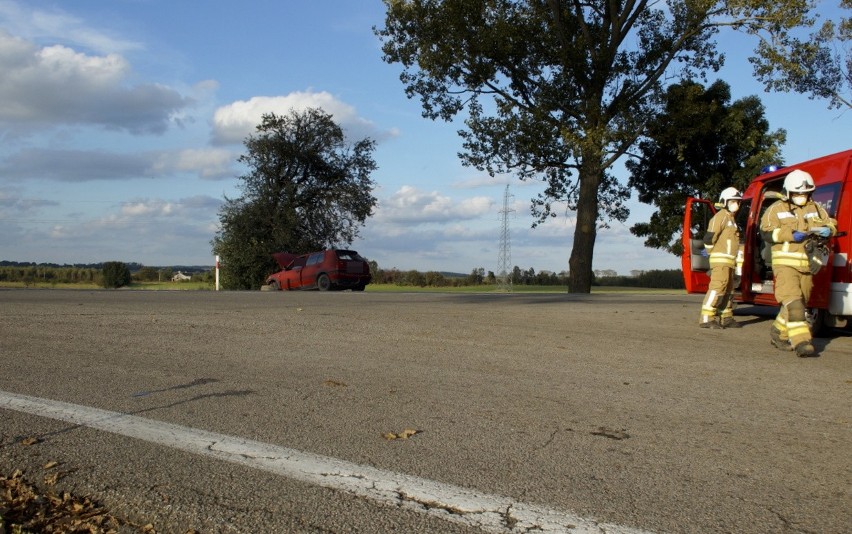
(329, 269)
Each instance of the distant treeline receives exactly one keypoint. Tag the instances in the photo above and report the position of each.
(660, 279)
(31, 273)
(133, 266)
(56, 275)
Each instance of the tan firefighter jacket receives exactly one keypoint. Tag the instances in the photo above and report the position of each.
(722, 239)
(781, 220)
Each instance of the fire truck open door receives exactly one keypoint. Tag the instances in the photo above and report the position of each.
(696, 266)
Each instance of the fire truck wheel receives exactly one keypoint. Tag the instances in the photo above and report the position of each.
(816, 320)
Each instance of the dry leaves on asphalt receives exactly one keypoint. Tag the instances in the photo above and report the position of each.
(23, 509)
(405, 434)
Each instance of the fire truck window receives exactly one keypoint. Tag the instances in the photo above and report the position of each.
(700, 219)
(742, 216)
(827, 196)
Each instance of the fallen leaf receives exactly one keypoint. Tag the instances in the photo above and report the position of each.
(30, 441)
(405, 434)
(51, 465)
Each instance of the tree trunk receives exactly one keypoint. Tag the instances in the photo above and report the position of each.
(580, 264)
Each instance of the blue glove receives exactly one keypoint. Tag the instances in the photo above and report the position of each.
(798, 237)
(821, 231)
(705, 253)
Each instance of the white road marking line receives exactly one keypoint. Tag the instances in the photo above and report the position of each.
(492, 513)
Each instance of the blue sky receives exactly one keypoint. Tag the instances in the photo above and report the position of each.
(121, 123)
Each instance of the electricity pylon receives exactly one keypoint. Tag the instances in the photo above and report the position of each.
(504, 257)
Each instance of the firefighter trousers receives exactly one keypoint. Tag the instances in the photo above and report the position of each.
(792, 291)
(718, 301)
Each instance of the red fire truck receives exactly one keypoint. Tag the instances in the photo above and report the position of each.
(831, 299)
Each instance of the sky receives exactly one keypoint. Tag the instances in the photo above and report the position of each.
(121, 123)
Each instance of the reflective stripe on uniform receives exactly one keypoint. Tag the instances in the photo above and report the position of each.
(798, 331)
(720, 259)
(797, 260)
(707, 307)
(780, 324)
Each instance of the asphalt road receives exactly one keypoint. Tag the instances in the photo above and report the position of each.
(614, 407)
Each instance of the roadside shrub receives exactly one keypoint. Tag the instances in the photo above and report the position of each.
(115, 274)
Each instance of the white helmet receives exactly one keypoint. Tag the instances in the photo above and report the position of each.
(730, 193)
(798, 181)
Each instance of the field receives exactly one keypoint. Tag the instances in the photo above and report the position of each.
(171, 286)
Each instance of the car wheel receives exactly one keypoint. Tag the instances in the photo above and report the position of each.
(273, 285)
(359, 287)
(323, 282)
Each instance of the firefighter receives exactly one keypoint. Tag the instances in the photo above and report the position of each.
(789, 225)
(721, 243)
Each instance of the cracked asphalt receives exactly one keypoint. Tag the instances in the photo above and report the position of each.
(610, 406)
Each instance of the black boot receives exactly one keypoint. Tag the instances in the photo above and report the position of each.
(729, 322)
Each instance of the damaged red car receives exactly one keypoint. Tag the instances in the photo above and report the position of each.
(326, 270)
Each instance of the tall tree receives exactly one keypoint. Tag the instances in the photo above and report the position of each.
(307, 189)
(818, 65)
(559, 90)
(697, 145)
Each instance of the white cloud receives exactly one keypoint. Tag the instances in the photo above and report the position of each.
(72, 165)
(87, 165)
(154, 226)
(43, 87)
(12, 203)
(411, 205)
(56, 24)
(208, 163)
(236, 121)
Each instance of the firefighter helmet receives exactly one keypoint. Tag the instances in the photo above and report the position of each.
(730, 193)
(798, 181)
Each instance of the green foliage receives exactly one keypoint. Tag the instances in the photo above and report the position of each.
(206, 277)
(697, 145)
(656, 279)
(476, 276)
(147, 274)
(307, 190)
(115, 274)
(48, 274)
(817, 65)
(558, 91)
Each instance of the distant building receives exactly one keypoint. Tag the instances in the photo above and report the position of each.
(180, 277)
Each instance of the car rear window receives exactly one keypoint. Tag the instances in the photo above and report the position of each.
(349, 255)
